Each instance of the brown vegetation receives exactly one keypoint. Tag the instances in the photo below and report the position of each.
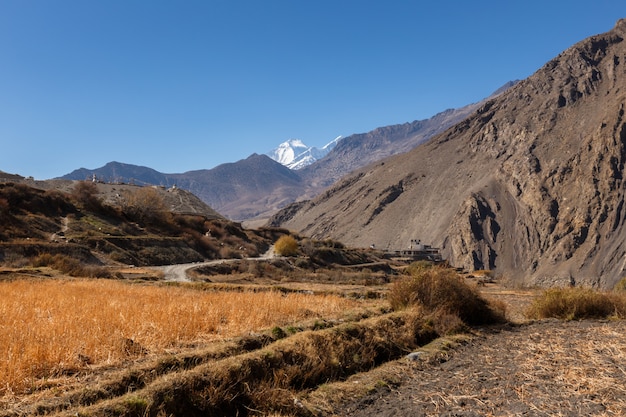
(445, 291)
(286, 246)
(578, 303)
(86, 194)
(273, 369)
(57, 326)
(145, 205)
(138, 230)
(63, 336)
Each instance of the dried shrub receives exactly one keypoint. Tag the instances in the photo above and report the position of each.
(621, 285)
(86, 194)
(4, 207)
(576, 303)
(22, 198)
(444, 291)
(146, 205)
(418, 266)
(70, 266)
(445, 323)
(226, 252)
(286, 245)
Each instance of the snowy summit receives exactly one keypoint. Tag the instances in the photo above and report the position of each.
(294, 154)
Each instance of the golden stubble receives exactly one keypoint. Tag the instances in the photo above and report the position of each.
(51, 327)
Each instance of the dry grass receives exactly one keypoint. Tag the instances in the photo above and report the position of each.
(266, 380)
(588, 368)
(570, 368)
(577, 303)
(70, 266)
(48, 328)
(443, 291)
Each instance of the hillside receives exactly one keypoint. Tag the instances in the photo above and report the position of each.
(531, 185)
(359, 150)
(239, 190)
(103, 225)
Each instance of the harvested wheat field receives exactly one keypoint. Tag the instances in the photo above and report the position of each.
(543, 368)
(56, 333)
(550, 368)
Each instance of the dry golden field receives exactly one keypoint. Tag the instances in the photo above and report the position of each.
(56, 326)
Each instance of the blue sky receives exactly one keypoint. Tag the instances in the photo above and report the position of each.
(185, 85)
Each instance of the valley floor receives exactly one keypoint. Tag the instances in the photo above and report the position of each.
(542, 368)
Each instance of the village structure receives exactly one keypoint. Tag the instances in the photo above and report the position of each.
(417, 251)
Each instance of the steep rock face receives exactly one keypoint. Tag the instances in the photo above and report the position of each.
(530, 185)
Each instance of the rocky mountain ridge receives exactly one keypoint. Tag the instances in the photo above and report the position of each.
(359, 150)
(257, 187)
(531, 185)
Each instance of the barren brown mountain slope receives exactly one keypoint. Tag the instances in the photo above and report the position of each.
(531, 185)
(359, 150)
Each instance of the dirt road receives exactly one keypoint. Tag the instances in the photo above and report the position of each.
(178, 272)
(549, 368)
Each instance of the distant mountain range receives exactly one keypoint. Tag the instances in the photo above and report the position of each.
(258, 186)
(294, 154)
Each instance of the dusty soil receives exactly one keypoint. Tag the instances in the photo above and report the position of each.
(547, 368)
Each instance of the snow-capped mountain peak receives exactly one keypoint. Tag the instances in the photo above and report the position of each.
(294, 154)
(288, 151)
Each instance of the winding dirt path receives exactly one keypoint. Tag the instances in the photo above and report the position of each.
(178, 272)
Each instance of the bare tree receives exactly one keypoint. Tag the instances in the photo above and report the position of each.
(145, 205)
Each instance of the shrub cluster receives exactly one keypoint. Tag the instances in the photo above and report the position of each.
(145, 205)
(443, 291)
(70, 266)
(286, 245)
(20, 198)
(577, 303)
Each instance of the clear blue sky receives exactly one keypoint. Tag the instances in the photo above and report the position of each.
(185, 85)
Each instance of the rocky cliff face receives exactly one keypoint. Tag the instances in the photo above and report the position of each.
(531, 185)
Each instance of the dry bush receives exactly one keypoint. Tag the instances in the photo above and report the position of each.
(22, 198)
(146, 205)
(48, 328)
(329, 255)
(286, 245)
(86, 194)
(418, 267)
(443, 290)
(4, 208)
(227, 252)
(577, 303)
(70, 266)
